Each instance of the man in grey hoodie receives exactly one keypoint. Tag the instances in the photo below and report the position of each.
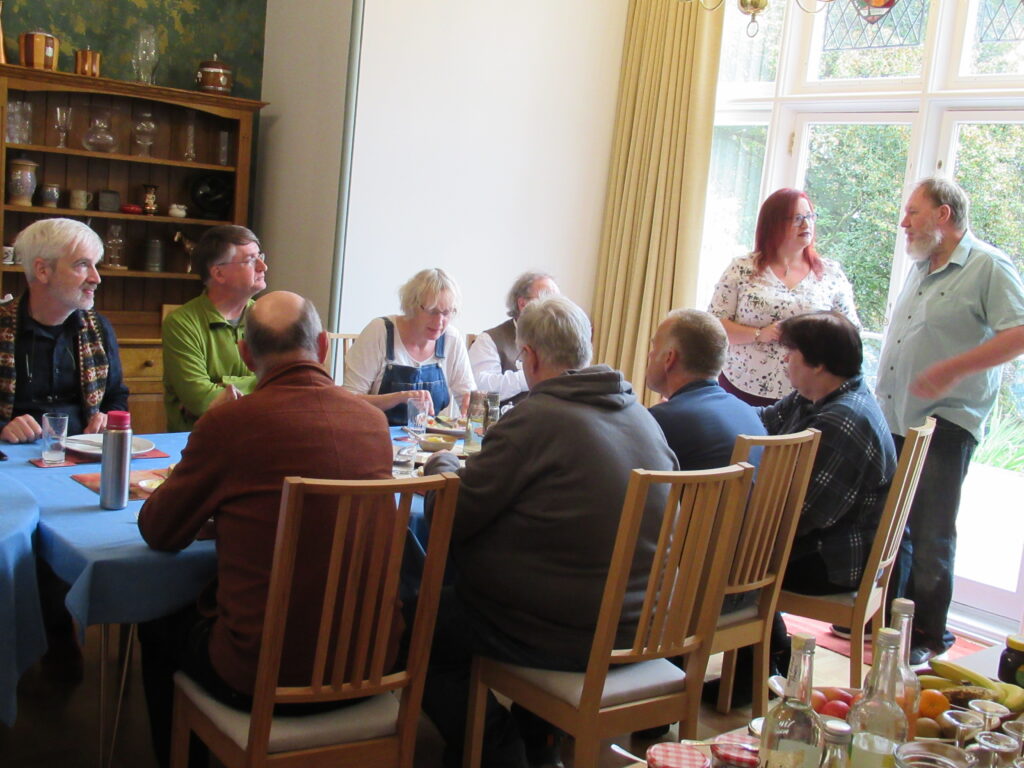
(537, 516)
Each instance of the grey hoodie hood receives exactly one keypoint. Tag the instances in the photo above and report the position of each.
(599, 385)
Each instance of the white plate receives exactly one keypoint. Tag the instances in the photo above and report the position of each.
(92, 445)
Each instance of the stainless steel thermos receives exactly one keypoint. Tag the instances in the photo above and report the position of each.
(117, 459)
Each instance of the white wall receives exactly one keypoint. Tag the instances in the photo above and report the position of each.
(299, 150)
(482, 143)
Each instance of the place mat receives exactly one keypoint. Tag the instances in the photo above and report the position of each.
(72, 459)
(669, 754)
(135, 493)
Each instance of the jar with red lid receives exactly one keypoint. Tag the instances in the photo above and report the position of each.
(1011, 661)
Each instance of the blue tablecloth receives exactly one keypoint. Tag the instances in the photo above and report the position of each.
(22, 637)
(114, 576)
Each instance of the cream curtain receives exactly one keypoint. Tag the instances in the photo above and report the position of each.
(654, 208)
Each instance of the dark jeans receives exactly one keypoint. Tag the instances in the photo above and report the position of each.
(924, 565)
(181, 641)
(461, 634)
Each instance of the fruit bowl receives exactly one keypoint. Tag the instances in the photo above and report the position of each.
(431, 443)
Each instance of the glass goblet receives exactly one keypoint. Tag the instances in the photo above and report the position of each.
(145, 132)
(992, 712)
(62, 124)
(966, 724)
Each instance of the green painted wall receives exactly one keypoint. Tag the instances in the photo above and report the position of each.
(188, 31)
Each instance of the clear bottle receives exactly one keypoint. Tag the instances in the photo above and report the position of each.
(908, 687)
(878, 722)
(115, 469)
(791, 737)
(838, 735)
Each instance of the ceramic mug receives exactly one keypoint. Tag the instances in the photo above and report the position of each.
(50, 195)
(80, 199)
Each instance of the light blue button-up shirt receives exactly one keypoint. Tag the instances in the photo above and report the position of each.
(943, 314)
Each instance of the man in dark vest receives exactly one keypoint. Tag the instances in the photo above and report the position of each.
(495, 355)
(57, 354)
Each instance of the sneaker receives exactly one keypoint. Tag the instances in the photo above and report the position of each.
(922, 654)
(843, 632)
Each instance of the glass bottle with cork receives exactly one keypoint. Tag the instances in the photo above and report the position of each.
(908, 686)
(791, 737)
(878, 721)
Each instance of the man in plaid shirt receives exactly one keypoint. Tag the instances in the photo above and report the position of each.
(856, 457)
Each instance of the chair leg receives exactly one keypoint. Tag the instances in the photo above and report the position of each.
(759, 703)
(475, 719)
(727, 681)
(856, 654)
(180, 731)
(585, 752)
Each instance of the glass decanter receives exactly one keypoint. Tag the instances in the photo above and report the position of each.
(145, 129)
(99, 137)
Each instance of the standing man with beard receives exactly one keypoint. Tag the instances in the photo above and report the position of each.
(959, 317)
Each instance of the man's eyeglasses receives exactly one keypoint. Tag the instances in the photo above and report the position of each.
(435, 312)
(247, 261)
(800, 218)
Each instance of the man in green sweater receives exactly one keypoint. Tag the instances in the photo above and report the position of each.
(202, 365)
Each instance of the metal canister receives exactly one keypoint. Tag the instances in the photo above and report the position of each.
(215, 76)
(38, 50)
(115, 469)
(154, 256)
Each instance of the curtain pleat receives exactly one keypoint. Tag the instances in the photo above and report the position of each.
(661, 154)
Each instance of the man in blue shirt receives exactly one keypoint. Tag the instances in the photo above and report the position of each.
(959, 317)
(700, 419)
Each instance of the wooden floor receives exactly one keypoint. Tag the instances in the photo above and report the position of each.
(58, 724)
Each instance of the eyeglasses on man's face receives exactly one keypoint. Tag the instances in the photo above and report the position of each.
(435, 312)
(800, 218)
(247, 261)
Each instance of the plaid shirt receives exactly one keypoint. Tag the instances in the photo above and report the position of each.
(852, 471)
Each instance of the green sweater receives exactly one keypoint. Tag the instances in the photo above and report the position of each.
(200, 358)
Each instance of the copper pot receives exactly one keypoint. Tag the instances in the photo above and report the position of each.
(87, 62)
(38, 50)
(215, 76)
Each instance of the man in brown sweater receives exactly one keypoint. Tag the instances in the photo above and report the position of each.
(296, 422)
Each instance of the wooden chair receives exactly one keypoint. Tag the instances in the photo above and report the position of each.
(344, 342)
(856, 609)
(762, 551)
(681, 604)
(365, 557)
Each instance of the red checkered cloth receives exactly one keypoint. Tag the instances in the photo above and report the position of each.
(731, 755)
(669, 754)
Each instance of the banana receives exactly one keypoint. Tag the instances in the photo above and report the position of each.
(958, 673)
(935, 682)
(1013, 697)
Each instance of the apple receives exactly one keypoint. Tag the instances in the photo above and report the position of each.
(838, 694)
(836, 708)
(818, 700)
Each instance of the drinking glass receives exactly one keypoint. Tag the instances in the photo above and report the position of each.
(55, 435)
(417, 417)
(62, 124)
(992, 712)
(1016, 729)
(145, 129)
(967, 724)
(994, 750)
(189, 154)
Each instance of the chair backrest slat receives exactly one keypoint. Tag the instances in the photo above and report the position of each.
(357, 611)
(773, 509)
(700, 521)
(897, 505)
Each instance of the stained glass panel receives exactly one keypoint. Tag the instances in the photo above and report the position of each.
(889, 47)
(997, 47)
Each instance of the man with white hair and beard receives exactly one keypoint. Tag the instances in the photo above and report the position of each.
(959, 317)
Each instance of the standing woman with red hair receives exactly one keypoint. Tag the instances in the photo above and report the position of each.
(783, 277)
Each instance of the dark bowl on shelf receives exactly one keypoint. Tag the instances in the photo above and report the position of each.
(212, 195)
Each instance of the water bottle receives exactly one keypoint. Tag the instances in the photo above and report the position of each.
(838, 735)
(117, 459)
(792, 731)
(908, 687)
(878, 721)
